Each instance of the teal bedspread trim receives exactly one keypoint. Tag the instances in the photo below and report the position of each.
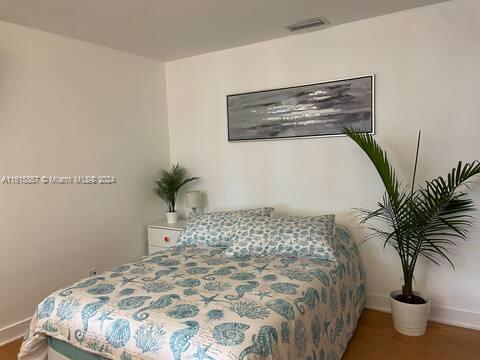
(71, 351)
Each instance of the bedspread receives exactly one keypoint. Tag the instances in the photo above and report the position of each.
(194, 303)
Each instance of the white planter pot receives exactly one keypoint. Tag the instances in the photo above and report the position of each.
(410, 319)
(172, 217)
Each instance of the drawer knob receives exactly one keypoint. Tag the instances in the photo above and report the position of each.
(166, 238)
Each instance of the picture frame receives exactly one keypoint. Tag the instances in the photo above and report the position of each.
(304, 111)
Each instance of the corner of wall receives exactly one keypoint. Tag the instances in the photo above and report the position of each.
(167, 110)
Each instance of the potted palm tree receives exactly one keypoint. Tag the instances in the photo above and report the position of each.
(424, 221)
(168, 186)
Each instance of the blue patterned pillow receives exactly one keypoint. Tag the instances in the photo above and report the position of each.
(216, 228)
(287, 235)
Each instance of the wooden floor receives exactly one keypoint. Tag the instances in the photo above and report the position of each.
(10, 351)
(375, 339)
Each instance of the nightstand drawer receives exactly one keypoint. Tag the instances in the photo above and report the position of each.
(154, 249)
(162, 237)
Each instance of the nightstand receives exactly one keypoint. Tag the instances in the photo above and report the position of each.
(162, 234)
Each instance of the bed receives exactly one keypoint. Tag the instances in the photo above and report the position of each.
(195, 303)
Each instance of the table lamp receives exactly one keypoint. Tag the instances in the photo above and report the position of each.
(193, 200)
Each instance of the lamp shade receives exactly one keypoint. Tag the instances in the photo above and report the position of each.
(193, 199)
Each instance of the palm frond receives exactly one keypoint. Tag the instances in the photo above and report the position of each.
(442, 213)
(379, 159)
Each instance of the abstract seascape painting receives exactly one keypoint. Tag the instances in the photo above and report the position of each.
(321, 109)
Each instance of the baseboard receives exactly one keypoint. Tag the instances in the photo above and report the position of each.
(450, 316)
(14, 331)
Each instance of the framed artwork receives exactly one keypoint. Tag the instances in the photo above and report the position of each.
(321, 109)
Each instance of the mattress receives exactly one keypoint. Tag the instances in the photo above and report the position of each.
(196, 304)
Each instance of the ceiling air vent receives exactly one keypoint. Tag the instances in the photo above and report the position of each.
(307, 24)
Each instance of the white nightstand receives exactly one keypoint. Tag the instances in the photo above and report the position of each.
(162, 234)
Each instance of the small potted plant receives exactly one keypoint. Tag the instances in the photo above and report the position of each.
(168, 186)
(424, 221)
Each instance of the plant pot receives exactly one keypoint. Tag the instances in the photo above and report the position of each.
(172, 217)
(410, 319)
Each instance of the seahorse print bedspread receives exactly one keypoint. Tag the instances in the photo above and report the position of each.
(197, 304)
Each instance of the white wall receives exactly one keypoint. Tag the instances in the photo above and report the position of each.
(73, 108)
(426, 62)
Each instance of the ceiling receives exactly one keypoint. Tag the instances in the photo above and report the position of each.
(172, 29)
